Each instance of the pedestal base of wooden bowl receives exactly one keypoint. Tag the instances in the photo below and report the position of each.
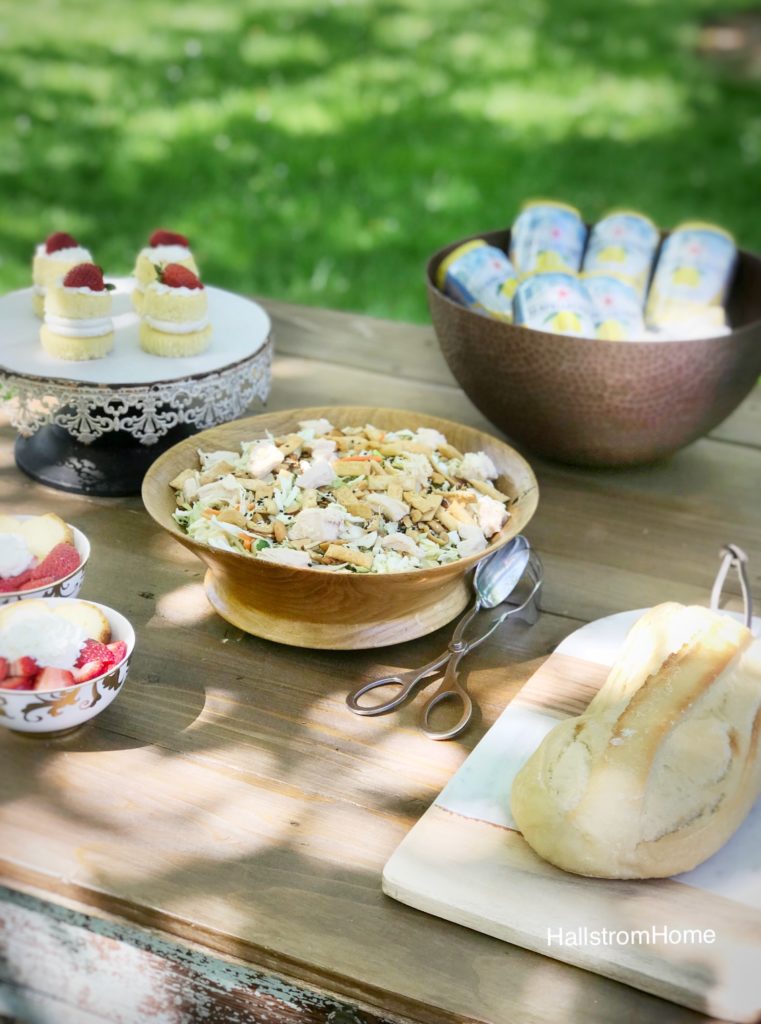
(451, 599)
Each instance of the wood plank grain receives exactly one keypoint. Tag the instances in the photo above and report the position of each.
(64, 966)
(227, 794)
(351, 339)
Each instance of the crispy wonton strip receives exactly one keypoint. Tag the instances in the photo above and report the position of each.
(343, 554)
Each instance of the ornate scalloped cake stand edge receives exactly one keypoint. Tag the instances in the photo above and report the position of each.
(99, 439)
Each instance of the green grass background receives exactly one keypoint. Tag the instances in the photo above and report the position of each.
(319, 150)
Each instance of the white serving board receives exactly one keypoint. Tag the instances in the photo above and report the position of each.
(240, 327)
(466, 862)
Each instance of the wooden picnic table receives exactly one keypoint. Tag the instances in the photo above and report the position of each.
(210, 847)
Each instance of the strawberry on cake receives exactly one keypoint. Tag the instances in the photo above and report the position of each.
(163, 247)
(52, 259)
(35, 552)
(46, 646)
(175, 319)
(77, 323)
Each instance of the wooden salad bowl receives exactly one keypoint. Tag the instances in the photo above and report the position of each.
(308, 607)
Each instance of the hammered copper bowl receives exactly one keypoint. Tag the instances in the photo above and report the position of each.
(600, 403)
(311, 607)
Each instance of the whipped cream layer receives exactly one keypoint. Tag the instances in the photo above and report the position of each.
(86, 327)
(75, 253)
(167, 253)
(177, 326)
(15, 556)
(162, 289)
(39, 633)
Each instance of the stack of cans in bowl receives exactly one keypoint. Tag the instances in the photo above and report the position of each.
(617, 282)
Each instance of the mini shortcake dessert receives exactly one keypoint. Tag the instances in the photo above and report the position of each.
(175, 319)
(77, 323)
(35, 552)
(46, 646)
(52, 259)
(163, 247)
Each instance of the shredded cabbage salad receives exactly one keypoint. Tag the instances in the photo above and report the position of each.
(351, 499)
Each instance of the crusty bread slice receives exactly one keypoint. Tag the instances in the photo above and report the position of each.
(665, 763)
(42, 533)
(89, 618)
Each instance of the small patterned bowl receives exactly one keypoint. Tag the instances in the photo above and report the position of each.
(600, 403)
(53, 712)
(68, 586)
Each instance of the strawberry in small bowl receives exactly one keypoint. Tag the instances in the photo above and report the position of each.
(62, 662)
(40, 556)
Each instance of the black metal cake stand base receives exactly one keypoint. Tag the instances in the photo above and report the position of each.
(113, 466)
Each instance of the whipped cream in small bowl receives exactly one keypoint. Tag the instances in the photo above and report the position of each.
(67, 586)
(55, 639)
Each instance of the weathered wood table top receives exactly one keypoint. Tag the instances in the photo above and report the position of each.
(229, 800)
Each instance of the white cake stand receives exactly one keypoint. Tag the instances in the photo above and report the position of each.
(94, 427)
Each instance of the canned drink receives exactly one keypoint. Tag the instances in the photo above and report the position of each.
(692, 276)
(617, 307)
(623, 244)
(557, 303)
(547, 237)
(481, 277)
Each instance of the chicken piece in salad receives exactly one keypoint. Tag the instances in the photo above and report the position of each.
(350, 499)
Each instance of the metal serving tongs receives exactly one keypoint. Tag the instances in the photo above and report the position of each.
(495, 579)
(733, 557)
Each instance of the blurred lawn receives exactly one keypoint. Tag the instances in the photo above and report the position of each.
(319, 150)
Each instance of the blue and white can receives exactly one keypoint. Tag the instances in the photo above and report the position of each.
(547, 237)
(557, 303)
(481, 277)
(692, 276)
(623, 244)
(617, 307)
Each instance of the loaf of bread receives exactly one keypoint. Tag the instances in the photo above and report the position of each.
(664, 764)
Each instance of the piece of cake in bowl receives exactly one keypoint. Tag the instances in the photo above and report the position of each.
(62, 662)
(77, 323)
(175, 320)
(40, 556)
(163, 247)
(52, 259)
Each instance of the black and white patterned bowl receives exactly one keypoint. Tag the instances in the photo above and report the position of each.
(59, 711)
(67, 586)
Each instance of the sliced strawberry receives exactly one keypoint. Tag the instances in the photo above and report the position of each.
(59, 562)
(91, 669)
(85, 275)
(38, 584)
(53, 679)
(18, 683)
(93, 650)
(3, 668)
(175, 276)
(164, 237)
(23, 667)
(60, 240)
(119, 650)
(11, 583)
